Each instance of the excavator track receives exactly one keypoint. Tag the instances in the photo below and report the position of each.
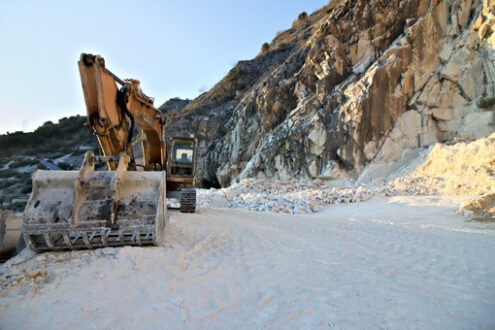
(188, 200)
(90, 209)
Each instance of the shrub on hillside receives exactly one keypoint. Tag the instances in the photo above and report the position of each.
(301, 21)
(27, 186)
(23, 175)
(265, 47)
(4, 184)
(283, 46)
(23, 162)
(234, 77)
(8, 173)
(18, 206)
(67, 134)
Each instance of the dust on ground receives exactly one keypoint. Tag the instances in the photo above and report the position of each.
(395, 262)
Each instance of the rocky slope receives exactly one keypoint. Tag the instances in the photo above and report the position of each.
(353, 90)
(356, 85)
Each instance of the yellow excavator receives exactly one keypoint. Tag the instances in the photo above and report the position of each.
(127, 203)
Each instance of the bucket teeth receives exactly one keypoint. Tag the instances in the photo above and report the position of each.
(72, 240)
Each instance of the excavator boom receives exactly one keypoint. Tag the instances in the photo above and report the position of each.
(113, 113)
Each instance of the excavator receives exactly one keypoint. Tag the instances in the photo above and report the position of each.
(127, 203)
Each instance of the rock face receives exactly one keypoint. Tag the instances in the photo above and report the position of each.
(173, 104)
(356, 84)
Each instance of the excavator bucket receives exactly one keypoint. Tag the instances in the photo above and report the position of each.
(88, 209)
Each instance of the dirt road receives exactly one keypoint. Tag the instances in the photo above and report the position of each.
(402, 262)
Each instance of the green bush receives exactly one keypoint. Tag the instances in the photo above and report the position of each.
(265, 47)
(18, 206)
(8, 173)
(23, 162)
(27, 187)
(23, 175)
(302, 16)
(4, 161)
(65, 136)
(283, 46)
(5, 184)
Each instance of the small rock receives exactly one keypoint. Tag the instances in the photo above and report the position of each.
(108, 251)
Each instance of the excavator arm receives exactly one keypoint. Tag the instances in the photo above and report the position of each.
(113, 113)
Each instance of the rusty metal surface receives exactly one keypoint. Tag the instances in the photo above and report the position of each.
(89, 209)
(10, 230)
(180, 180)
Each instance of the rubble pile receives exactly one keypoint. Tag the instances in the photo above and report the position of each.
(34, 274)
(290, 197)
(299, 197)
(29, 272)
(416, 186)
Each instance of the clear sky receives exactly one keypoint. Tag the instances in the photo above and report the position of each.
(175, 48)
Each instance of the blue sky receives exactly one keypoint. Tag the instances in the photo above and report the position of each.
(175, 48)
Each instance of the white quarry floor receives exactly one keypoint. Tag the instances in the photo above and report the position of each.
(388, 263)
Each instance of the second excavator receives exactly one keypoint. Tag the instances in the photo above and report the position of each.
(126, 204)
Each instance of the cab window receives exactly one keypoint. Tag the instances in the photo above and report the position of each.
(183, 153)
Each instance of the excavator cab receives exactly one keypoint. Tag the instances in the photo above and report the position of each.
(182, 159)
(180, 172)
